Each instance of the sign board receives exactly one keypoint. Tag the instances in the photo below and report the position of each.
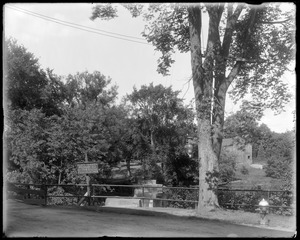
(87, 168)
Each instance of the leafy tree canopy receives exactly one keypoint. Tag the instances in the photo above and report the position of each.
(160, 110)
(263, 52)
(27, 86)
(247, 48)
(84, 88)
(24, 78)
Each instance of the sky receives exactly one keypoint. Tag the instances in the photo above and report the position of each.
(63, 38)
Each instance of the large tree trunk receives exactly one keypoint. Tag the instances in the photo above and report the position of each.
(202, 82)
(218, 117)
(208, 163)
(210, 95)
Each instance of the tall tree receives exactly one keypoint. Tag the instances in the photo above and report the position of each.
(248, 47)
(23, 75)
(27, 86)
(159, 107)
(163, 118)
(46, 148)
(84, 88)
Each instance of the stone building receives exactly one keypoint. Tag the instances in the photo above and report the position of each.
(239, 148)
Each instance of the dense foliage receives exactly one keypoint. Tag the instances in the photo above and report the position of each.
(281, 161)
(27, 85)
(247, 48)
(275, 150)
(43, 145)
(53, 124)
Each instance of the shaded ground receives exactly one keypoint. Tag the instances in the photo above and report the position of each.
(24, 220)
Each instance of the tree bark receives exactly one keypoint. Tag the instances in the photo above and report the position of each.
(210, 86)
(202, 82)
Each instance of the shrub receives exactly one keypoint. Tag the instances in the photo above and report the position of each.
(59, 191)
(231, 199)
(283, 199)
(277, 166)
(180, 194)
(280, 167)
(181, 170)
(227, 166)
(250, 199)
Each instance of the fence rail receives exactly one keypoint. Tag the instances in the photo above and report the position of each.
(184, 197)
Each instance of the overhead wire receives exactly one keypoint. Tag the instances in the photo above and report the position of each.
(77, 26)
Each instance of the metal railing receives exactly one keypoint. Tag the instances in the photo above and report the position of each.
(279, 200)
(165, 196)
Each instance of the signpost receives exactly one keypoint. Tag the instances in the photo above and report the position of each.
(87, 168)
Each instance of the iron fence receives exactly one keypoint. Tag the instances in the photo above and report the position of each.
(281, 202)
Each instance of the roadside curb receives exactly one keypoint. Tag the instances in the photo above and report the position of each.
(151, 212)
(267, 227)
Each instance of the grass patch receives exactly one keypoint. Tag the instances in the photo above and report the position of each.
(253, 178)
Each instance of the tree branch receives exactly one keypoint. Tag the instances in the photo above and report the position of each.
(231, 22)
(241, 59)
(233, 73)
(275, 22)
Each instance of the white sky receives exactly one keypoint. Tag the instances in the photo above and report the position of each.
(68, 50)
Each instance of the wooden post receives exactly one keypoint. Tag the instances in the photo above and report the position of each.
(88, 182)
(93, 194)
(28, 195)
(143, 195)
(44, 187)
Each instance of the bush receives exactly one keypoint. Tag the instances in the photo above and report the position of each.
(231, 199)
(250, 199)
(59, 191)
(277, 166)
(280, 167)
(227, 166)
(281, 199)
(181, 170)
(180, 194)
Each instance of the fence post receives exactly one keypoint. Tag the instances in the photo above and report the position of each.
(28, 195)
(44, 187)
(88, 190)
(197, 199)
(143, 195)
(92, 194)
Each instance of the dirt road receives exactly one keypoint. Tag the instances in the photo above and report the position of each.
(22, 220)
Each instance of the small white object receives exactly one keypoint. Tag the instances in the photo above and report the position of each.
(151, 203)
(263, 203)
